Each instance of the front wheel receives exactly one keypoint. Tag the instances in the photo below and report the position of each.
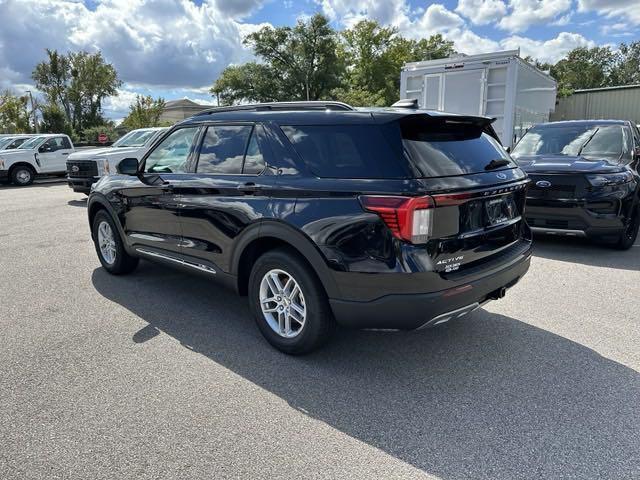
(630, 233)
(22, 176)
(289, 303)
(109, 246)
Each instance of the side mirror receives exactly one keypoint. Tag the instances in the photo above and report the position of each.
(45, 148)
(128, 166)
(507, 149)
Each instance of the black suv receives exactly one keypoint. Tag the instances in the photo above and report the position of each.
(585, 179)
(391, 218)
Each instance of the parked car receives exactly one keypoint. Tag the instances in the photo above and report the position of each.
(85, 167)
(42, 155)
(585, 179)
(320, 213)
(14, 141)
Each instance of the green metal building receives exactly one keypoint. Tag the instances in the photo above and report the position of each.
(619, 103)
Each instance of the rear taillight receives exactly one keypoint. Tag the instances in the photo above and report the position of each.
(408, 218)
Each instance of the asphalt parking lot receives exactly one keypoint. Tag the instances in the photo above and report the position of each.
(162, 374)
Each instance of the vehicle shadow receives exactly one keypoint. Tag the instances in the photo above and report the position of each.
(579, 250)
(78, 203)
(485, 397)
(44, 182)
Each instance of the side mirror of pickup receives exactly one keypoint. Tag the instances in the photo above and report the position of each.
(128, 166)
(507, 149)
(45, 148)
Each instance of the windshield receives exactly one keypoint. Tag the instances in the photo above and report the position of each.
(589, 141)
(31, 143)
(137, 138)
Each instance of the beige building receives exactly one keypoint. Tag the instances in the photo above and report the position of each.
(178, 110)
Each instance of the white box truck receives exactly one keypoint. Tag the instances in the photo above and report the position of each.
(499, 84)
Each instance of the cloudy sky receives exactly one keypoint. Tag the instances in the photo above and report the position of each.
(176, 48)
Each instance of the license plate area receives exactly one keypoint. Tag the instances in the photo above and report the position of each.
(499, 210)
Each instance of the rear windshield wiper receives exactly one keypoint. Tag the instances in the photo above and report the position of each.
(497, 163)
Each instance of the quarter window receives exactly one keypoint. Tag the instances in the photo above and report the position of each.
(171, 155)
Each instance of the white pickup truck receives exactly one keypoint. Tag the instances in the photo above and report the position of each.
(85, 167)
(42, 155)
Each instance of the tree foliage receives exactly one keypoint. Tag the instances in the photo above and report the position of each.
(76, 83)
(144, 112)
(296, 63)
(311, 61)
(14, 115)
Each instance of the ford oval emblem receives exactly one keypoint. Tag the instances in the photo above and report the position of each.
(501, 176)
(75, 168)
(543, 184)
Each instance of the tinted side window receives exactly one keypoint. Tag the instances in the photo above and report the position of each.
(223, 149)
(171, 155)
(345, 151)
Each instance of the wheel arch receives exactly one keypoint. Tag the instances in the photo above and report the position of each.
(96, 203)
(22, 164)
(270, 235)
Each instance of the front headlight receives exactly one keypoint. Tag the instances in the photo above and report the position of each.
(103, 167)
(608, 179)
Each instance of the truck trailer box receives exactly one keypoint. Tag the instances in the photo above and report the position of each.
(499, 85)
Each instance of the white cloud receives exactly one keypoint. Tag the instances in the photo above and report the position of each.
(349, 12)
(169, 43)
(629, 9)
(525, 13)
(481, 12)
(547, 51)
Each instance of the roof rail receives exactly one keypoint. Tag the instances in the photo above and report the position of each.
(279, 106)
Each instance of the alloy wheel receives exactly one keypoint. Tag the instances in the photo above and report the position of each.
(282, 303)
(107, 243)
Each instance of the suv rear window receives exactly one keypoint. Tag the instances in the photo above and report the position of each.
(442, 147)
(345, 151)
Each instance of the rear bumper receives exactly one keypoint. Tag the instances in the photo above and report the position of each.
(81, 185)
(411, 311)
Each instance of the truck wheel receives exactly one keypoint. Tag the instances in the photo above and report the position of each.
(289, 303)
(110, 247)
(22, 175)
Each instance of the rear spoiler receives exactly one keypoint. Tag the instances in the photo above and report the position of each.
(485, 123)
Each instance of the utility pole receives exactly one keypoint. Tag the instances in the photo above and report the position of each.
(33, 110)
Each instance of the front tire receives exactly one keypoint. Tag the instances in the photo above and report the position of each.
(22, 175)
(289, 303)
(110, 247)
(630, 234)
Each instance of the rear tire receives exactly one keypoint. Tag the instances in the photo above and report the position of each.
(22, 175)
(302, 306)
(630, 234)
(110, 247)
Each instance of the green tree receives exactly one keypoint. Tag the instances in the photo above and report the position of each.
(77, 83)
(54, 119)
(250, 82)
(627, 66)
(144, 112)
(14, 115)
(297, 63)
(374, 56)
(584, 68)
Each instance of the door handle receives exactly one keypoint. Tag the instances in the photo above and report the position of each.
(248, 188)
(65, 154)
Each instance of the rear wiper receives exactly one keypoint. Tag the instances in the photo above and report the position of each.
(497, 163)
